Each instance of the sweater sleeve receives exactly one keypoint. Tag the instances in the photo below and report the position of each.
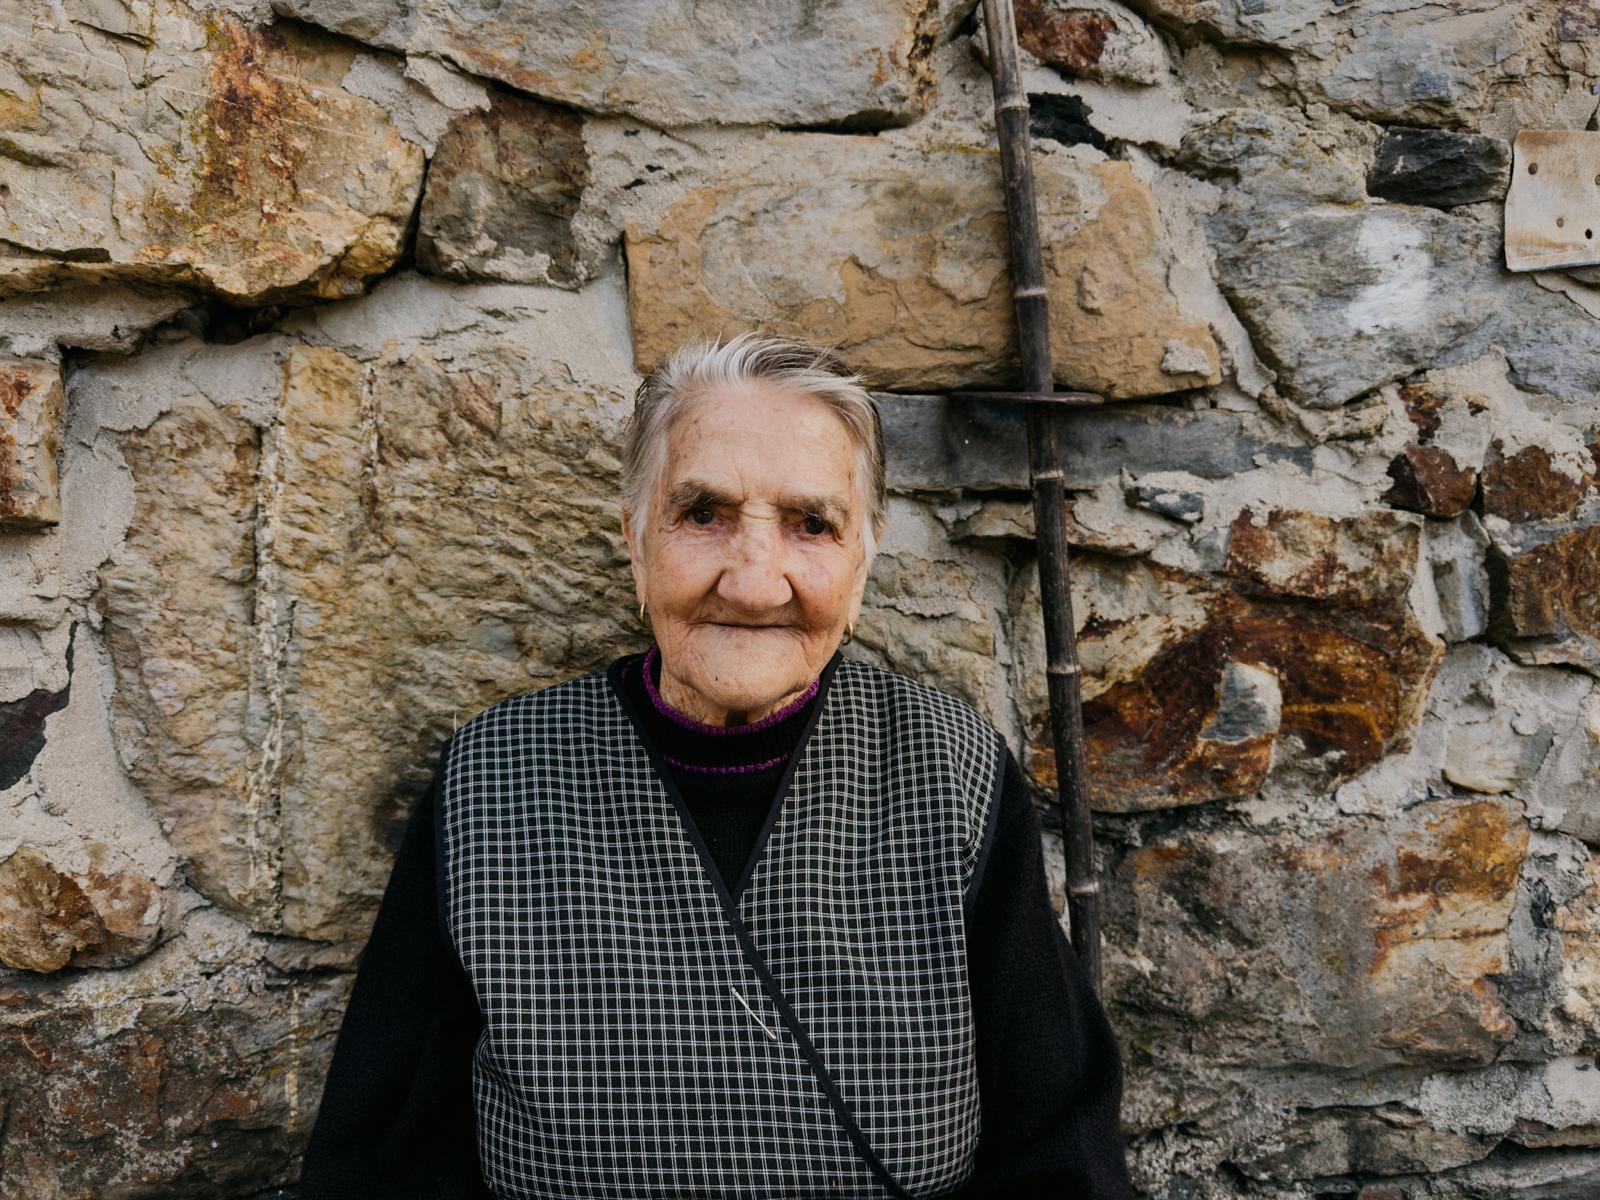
(396, 1116)
(1049, 1069)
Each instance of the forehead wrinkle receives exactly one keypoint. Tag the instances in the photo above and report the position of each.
(699, 491)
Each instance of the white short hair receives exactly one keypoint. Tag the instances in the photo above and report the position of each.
(799, 366)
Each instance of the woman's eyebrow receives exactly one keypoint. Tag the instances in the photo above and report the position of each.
(692, 493)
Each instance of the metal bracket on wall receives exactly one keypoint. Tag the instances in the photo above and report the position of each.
(1552, 216)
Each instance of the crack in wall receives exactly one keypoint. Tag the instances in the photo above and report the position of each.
(272, 630)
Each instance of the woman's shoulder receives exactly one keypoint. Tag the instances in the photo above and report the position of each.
(891, 686)
(555, 704)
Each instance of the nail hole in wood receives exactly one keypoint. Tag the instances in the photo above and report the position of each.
(1533, 168)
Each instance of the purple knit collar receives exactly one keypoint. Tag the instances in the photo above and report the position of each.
(688, 722)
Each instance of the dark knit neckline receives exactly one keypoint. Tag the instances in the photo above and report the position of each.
(758, 747)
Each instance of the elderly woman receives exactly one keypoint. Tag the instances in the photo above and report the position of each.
(737, 916)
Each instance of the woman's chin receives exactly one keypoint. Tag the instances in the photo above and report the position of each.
(754, 660)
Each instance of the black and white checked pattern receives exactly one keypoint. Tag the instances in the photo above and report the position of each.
(647, 1037)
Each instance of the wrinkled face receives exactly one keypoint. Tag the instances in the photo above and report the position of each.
(755, 558)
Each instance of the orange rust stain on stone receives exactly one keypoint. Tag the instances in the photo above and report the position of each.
(1151, 863)
(1072, 41)
(1255, 548)
(1479, 853)
(1552, 590)
(591, 58)
(1528, 486)
(1471, 857)
(1340, 692)
(15, 387)
(245, 116)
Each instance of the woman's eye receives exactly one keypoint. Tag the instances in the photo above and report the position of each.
(695, 513)
(812, 519)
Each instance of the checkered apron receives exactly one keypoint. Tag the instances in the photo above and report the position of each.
(648, 1036)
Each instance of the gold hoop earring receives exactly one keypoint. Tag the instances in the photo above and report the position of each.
(643, 619)
(849, 633)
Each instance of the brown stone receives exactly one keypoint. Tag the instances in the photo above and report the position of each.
(1348, 1141)
(182, 629)
(1361, 948)
(299, 617)
(1549, 593)
(898, 259)
(502, 189)
(1427, 480)
(1174, 711)
(1528, 486)
(1072, 41)
(205, 1093)
(1424, 400)
(1090, 39)
(240, 163)
(50, 918)
(1363, 560)
(31, 405)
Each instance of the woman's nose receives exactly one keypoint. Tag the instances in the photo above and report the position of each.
(756, 575)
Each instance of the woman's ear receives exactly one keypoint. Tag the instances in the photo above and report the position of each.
(858, 588)
(630, 531)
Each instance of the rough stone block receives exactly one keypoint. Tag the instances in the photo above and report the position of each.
(50, 917)
(240, 165)
(897, 258)
(1340, 296)
(1360, 947)
(674, 63)
(1533, 485)
(1177, 710)
(374, 540)
(203, 1091)
(1100, 40)
(31, 407)
(1416, 63)
(940, 444)
(1365, 560)
(1543, 590)
(1385, 1140)
(1427, 480)
(502, 189)
(1440, 168)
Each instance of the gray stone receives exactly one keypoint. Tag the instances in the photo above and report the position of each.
(1439, 168)
(1341, 1141)
(936, 443)
(1249, 704)
(501, 193)
(1188, 507)
(1340, 297)
(1553, 345)
(674, 63)
(1358, 947)
(1455, 554)
(1396, 60)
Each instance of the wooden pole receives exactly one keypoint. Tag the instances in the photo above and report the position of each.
(1049, 491)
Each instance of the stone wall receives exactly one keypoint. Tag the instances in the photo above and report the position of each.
(320, 321)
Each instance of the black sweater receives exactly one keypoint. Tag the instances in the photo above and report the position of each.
(396, 1117)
